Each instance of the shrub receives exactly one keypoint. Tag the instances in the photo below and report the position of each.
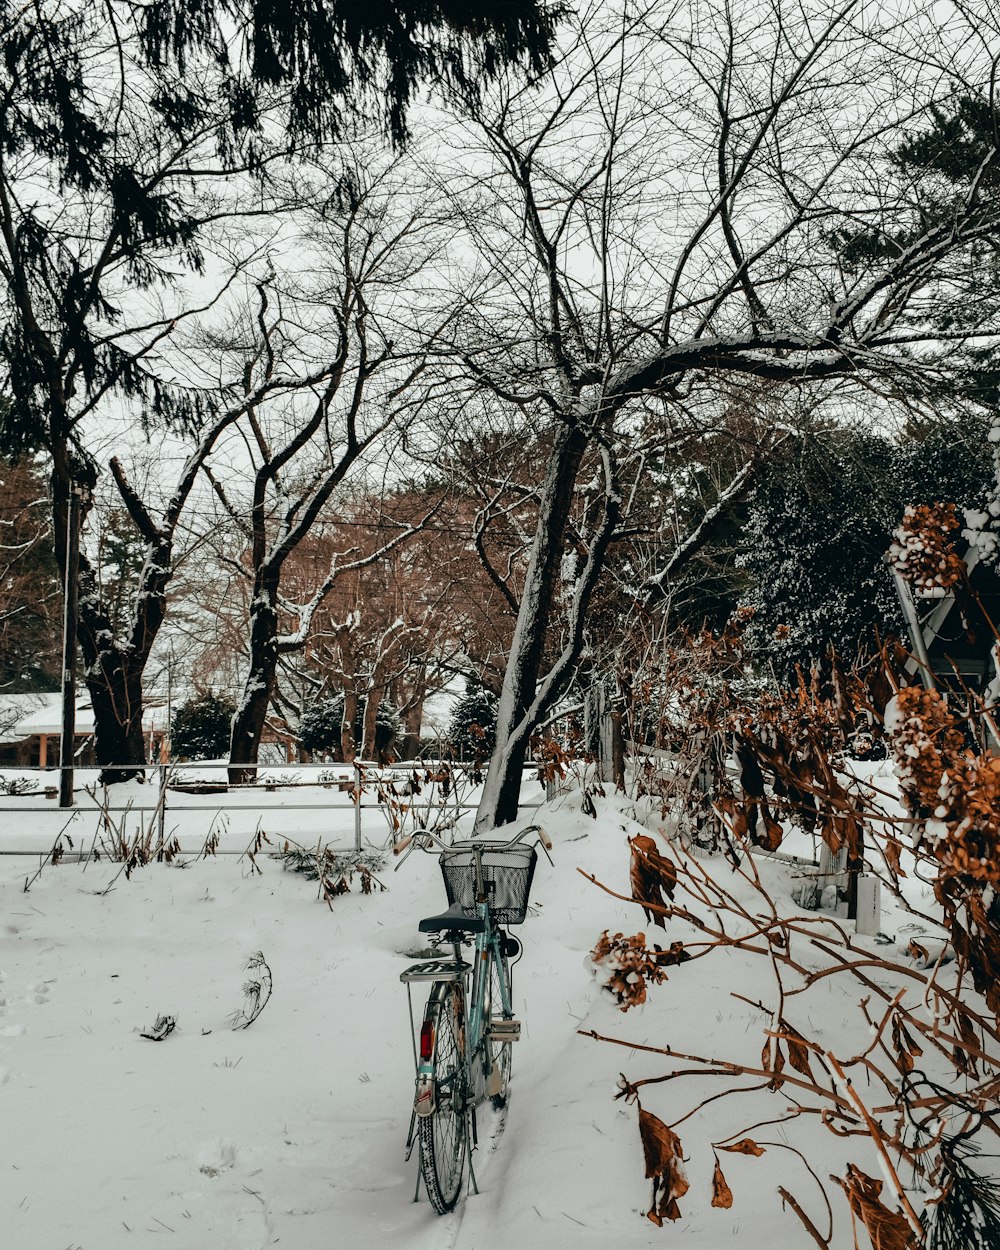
(200, 729)
(473, 727)
(319, 728)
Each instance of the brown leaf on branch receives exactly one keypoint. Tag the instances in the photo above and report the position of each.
(798, 1049)
(773, 1047)
(722, 1195)
(906, 1046)
(891, 849)
(965, 1056)
(676, 954)
(773, 833)
(652, 875)
(754, 796)
(745, 1146)
(664, 1167)
(888, 1230)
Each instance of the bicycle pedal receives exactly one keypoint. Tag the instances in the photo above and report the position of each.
(502, 1030)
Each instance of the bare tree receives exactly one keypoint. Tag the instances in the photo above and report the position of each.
(680, 200)
(118, 182)
(342, 299)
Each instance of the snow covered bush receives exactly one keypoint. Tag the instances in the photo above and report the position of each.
(473, 726)
(201, 727)
(820, 521)
(953, 797)
(320, 727)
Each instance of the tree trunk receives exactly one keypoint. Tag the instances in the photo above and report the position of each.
(248, 720)
(350, 715)
(410, 746)
(603, 732)
(499, 803)
(369, 729)
(115, 687)
(113, 668)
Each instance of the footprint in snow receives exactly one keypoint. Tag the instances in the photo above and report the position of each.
(215, 1156)
(14, 1030)
(37, 992)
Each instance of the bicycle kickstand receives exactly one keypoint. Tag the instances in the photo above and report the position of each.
(474, 1136)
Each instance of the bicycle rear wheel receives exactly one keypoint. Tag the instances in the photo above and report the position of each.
(444, 1133)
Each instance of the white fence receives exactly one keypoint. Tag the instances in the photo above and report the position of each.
(193, 806)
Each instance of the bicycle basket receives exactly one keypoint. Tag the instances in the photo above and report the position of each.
(506, 873)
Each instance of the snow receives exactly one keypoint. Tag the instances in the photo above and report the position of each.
(292, 1131)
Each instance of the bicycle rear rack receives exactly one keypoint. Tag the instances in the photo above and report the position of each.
(436, 970)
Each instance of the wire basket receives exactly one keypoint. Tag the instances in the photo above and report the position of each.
(506, 874)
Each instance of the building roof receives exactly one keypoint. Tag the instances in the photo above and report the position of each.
(27, 715)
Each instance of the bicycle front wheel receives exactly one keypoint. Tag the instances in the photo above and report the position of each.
(444, 1133)
(500, 1051)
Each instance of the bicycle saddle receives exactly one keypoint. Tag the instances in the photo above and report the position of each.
(453, 918)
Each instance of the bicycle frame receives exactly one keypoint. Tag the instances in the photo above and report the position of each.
(486, 952)
(446, 1084)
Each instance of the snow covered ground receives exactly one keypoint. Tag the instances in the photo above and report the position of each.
(291, 1132)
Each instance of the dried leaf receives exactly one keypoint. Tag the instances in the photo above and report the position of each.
(746, 1146)
(773, 833)
(798, 1049)
(675, 955)
(964, 1057)
(751, 777)
(919, 953)
(905, 1046)
(652, 876)
(664, 1166)
(775, 1065)
(722, 1195)
(888, 1230)
(891, 849)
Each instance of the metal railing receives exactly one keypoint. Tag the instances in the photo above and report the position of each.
(417, 792)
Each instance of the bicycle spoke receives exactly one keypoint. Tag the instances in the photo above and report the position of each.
(444, 1133)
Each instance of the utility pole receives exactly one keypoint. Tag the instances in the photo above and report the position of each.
(170, 700)
(66, 740)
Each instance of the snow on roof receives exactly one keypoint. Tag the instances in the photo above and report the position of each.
(25, 715)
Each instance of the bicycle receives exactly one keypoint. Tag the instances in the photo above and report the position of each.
(468, 1026)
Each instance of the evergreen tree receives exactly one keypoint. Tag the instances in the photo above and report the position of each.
(30, 591)
(819, 525)
(319, 727)
(473, 727)
(944, 160)
(337, 58)
(200, 727)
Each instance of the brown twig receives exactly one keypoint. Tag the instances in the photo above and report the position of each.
(807, 1223)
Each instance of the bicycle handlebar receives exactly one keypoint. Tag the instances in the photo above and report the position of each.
(420, 838)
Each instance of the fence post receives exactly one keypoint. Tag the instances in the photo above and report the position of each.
(357, 805)
(869, 918)
(162, 830)
(832, 874)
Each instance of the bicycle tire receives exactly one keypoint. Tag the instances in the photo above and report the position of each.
(500, 1052)
(444, 1133)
